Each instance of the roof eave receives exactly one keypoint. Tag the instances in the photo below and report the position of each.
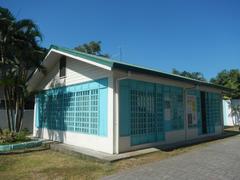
(168, 76)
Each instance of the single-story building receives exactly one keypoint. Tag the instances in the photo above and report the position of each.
(114, 107)
(230, 116)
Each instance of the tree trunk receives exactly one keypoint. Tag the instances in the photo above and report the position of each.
(19, 111)
(7, 109)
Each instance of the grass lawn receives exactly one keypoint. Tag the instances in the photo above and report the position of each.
(49, 164)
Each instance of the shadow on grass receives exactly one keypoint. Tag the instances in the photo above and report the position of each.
(227, 134)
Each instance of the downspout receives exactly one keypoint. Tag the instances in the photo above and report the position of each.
(116, 125)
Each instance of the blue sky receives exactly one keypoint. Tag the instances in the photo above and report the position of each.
(192, 35)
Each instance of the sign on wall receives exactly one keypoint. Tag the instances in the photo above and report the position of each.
(191, 109)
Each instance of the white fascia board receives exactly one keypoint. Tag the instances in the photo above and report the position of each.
(82, 59)
(36, 71)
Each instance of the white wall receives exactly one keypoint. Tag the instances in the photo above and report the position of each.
(27, 120)
(76, 72)
(94, 142)
(79, 72)
(229, 119)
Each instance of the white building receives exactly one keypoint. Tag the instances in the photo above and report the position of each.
(229, 117)
(113, 107)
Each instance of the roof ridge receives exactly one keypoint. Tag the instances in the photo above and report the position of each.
(83, 53)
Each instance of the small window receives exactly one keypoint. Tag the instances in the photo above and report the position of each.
(62, 67)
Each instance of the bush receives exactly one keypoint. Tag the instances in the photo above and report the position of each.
(7, 137)
(22, 136)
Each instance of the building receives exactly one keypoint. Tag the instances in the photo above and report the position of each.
(114, 107)
(231, 117)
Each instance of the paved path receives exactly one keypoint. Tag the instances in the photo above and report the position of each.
(220, 160)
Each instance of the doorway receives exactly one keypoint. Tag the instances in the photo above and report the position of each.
(203, 112)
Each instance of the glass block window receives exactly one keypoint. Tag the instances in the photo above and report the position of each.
(145, 112)
(68, 109)
(87, 115)
(82, 112)
(213, 111)
(142, 112)
(74, 108)
(94, 111)
(173, 108)
(159, 114)
(72, 111)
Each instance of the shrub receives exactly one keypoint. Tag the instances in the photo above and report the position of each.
(22, 136)
(7, 136)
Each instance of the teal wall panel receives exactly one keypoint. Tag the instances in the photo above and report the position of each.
(124, 107)
(173, 100)
(79, 108)
(141, 110)
(213, 111)
(103, 108)
(196, 93)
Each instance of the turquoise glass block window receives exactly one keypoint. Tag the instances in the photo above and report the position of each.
(94, 111)
(142, 107)
(142, 112)
(213, 111)
(87, 111)
(159, 119)
(173, 108)
(68, 112)
(75, 108)
(146, 118)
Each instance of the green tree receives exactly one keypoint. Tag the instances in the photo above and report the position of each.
(93, 47)
(193, 75)
(229, 79)
(20, 55)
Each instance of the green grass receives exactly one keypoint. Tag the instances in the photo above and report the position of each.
(49, 164)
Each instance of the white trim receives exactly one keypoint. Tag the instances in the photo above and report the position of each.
(82, 59)
(117, 135)
(36, 70)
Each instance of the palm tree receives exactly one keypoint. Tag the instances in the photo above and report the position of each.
(235, 113)
(20, 55)
(93, 47)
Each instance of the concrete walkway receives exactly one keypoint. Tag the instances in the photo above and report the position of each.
(104, 157)
(97, 155)
(220, 160)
